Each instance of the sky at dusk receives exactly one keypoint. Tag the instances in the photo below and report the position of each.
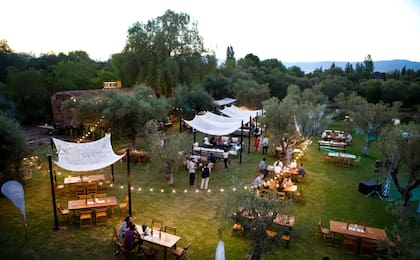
(291, 31)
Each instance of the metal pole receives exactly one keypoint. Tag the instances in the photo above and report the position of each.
(249, 135)
(51, 142)
(242, 140)
(256, 122)
(180, 124)
(53, 193)
(112, 173)
(129, 181)
(195, 135)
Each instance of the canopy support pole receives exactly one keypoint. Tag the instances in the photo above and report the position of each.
(129, 181)
(242, 140)
(53, 193)
(249, 135)
(112, 173)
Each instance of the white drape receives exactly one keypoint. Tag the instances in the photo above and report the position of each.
(236, 112)
(224, 101)
(86, 156)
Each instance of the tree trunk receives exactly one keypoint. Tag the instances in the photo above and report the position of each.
(366, 148)
(169, 175)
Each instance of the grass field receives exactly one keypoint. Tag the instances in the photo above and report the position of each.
(330, 193)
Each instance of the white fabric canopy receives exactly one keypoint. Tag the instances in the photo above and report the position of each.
(236, 112)
(86, 156)
(224, 101)
(207, 126)
(223, 119)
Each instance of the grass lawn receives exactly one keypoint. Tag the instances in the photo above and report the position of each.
(330, 193)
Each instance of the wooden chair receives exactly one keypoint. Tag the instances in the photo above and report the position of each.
(100, 195)
(157, 223)
(347, 162)
(84, 197)
(85, 218)
(350, 244)
(236, 228)
(79, 189)
(101, 216)
(323, 231)
(59, 188)
(149, 251)
(169, 229)
(91, 188)
(367, 247)
(356, 162)
(102, 188)
(281, 195)
(299, 194)
(65, 213)
(179, 252)
(286, 238)
(27, 175)
(124, 206)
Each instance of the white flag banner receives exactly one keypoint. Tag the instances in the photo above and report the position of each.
(220, 251)
(13, 190)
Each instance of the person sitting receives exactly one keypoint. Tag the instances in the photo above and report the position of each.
(349, 138)
(258, 181)
(132, 239)
(125, 225)
(301, 171)
(278, 165)
(287, 182)
(219, 140)
(262, 167)
(324, 136)
(206, 141)
(213, 141)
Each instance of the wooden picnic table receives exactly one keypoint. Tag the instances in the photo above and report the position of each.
(93, 203)
(158, 238)
(357, 230)
(84, 179)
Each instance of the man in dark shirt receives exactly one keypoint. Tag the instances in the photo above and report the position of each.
(132, 239)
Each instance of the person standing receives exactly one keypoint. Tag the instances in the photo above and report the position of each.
(263, 168)
(191, 169)
(226, 158)
(265, 145)
(205, 177)
(257, 143)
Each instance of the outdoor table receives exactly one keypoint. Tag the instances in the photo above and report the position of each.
(332, 145)
(93, 203)
(357, 230)
(159, 238)
(83, 179)
(284, 220)
(343, 155)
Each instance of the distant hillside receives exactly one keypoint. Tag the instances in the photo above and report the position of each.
(380, 66)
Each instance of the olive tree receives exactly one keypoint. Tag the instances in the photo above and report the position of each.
(12, 149)
(399, 145)
(369, 118)
(166, 149)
